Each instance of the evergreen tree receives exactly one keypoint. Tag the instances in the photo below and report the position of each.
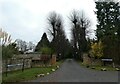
(44, 42)
(108, 15)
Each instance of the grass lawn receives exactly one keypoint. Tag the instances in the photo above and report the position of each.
(98, 68)
(28, 74)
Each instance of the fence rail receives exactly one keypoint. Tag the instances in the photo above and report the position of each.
(22, 62)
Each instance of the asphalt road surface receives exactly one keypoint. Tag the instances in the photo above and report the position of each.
(71, 71)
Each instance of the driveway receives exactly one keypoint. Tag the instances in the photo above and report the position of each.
(71, 71)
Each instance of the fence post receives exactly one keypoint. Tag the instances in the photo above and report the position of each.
(23, 64)
(6, 67)
(31, 62)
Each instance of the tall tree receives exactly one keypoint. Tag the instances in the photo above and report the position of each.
(108, 17)
(44, 42)
(108, 14)
(74, 19)
(80, 24)
(57, 32)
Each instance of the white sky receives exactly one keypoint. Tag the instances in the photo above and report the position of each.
(27, 19)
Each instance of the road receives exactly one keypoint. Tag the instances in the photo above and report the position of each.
(71, 71)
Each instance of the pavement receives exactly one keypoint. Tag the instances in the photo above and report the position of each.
(71, 71)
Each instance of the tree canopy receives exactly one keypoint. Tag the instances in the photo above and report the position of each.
(44, 42)
(108, 27)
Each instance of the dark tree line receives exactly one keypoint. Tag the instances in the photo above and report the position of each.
(107, 32)
(108, 28)
(60, 44)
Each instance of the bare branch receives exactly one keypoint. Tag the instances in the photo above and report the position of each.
(74, 16)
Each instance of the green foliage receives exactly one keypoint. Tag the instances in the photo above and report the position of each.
(97, 50)
(108, 28)
(44, 42)
(46, 50)
(6, 52)
(108, 18)
(9, 50)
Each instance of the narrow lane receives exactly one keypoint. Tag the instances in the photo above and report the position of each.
(71, 71)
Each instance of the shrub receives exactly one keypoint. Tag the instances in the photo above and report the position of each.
(46, 50)
(96, 50)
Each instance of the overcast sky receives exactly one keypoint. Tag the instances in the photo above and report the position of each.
(27, 19)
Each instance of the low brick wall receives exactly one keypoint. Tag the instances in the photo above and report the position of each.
(96, 62)
(86, 59)
(15, 64)
(53, 60)
(30, 60)
(91, 61)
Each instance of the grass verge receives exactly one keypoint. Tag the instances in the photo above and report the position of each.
(97, 67)
(28, 74)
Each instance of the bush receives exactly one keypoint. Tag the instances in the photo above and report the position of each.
(46, 50)
(96, 50)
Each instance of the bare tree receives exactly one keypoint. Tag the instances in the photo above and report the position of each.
(74, 18)
(5, 38)
(52, 19)
(57, 32)
(78, 31)
(84, 24)
(22, 45)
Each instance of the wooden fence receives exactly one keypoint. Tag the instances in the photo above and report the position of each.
(21, 62)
